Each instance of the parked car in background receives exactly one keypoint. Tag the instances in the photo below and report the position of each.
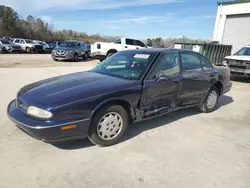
(130, 86)
(239, 63)
(7, 46)
(88, 47)
(46, 47)
(28, 45)
(52, 45)
(58, 42)
(102, 50)
(70, 50)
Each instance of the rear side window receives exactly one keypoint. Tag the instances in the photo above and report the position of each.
(205, 63)
(139, 43)
(129, 42)
(190, 62)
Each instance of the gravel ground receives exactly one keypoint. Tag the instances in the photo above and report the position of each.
(185, 149)
(38, 60)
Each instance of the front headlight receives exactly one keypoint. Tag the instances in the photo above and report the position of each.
(40, 113)
(225, 63)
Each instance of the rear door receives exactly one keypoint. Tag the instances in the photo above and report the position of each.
(130, 44)
(162, 86)
(195, 82)
(139, 44)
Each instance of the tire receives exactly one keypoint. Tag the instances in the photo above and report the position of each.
(75, 57)
(113, 120)
(4, 50)
(210, 103)
(110, 54)
(28, 50)
(85, 56)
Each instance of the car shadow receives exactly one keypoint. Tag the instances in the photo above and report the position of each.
(140, 127)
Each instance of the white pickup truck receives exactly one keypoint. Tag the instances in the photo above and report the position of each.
(102, 50)
(239, 63)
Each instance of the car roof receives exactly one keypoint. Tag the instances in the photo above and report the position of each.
(160, 50)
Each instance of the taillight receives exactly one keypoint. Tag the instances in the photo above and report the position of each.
(98, 46)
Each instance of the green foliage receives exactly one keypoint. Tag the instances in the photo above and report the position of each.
(12, 25)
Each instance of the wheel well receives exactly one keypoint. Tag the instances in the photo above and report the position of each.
(122, 103)
(219, 86)
(111, 51)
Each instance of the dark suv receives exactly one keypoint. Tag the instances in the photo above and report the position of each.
(70, 50)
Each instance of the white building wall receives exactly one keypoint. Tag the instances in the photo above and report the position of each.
(222, 13)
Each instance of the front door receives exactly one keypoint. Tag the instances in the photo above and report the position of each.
(162, 86)
(195, 82)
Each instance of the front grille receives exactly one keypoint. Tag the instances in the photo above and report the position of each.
(60, 52)
(238, 66)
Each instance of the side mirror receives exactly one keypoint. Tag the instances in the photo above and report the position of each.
(162, 79)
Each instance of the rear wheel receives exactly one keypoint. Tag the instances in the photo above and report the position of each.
(75, 57)
(108, 125)
(85, 56)
(4, 50)
(211, 101)
(110, 54)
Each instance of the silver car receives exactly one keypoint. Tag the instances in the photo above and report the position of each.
(7, 46)
(70, 50)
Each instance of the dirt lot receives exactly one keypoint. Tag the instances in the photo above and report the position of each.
(185, 149)
(38, 60)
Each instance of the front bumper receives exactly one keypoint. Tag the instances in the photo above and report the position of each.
(47, 131)
(67, 56)
(13, 50)
(98, 55)
(240, 72)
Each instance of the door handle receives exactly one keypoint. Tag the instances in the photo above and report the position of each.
(126, 47)
(137, 48)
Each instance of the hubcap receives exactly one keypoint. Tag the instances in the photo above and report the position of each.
(212, 99)
(110, 126)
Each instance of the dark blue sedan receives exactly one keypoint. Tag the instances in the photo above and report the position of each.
(129, 86)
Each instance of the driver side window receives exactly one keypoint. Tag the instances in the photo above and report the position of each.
(166, 65)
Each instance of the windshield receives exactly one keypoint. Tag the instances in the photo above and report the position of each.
(5, 42)
(126, 64)
(29, 41)
(42, 43)
(68, 44)
(243, 51)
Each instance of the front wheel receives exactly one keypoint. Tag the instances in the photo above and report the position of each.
(211, 101)
(108, 125)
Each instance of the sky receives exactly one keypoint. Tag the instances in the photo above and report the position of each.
(128, 18)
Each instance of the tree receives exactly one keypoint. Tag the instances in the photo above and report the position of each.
(150, 42)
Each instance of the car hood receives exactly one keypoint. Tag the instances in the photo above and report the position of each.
(11, 45)
(63, 48)
(238, 57)
(64, 90)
